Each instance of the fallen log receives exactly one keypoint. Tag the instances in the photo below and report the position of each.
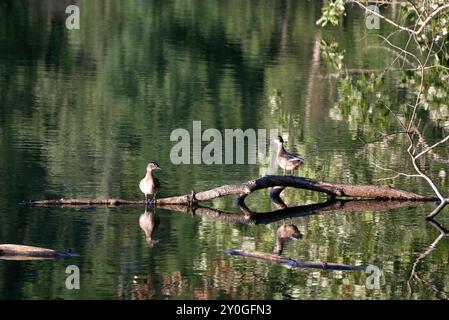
(332, 190)
(292, 262)
(22, 252)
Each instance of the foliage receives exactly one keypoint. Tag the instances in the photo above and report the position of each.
(331, 12)
(331, 54)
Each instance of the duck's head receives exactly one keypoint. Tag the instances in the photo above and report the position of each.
(153, 166)
(278, 140)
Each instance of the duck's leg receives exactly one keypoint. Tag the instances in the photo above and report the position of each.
(146, 200)
(284, 171)
(154, 198)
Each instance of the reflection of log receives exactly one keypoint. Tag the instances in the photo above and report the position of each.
(211, 213)
(330, 207)
(275, 195)
(250, 217)
(333, 190)
(291, 262)
(20, 252)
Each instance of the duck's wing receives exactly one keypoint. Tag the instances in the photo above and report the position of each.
(294, 157)
(157, 183)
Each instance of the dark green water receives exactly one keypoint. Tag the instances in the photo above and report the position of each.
(83, 111)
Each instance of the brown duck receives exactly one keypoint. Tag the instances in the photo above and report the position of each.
(149, 184)
(287, 160)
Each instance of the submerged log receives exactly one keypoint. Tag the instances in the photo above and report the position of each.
(292, 262)
(332, 190)
(22, 252)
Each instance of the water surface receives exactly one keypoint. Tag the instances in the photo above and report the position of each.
(83, 111)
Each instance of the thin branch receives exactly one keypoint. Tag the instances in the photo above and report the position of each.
(438, 209)
(431, 147)
(405, 52)
(384, 137)
(399, 174)
(417, 32)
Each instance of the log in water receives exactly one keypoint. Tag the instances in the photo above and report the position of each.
(292, 262)
(22, 252)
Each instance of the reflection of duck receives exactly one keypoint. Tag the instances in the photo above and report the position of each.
(149, 222)
(287, 160)
(149, 184)
(283, 233)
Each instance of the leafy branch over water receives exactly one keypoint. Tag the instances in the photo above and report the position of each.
(426, 49)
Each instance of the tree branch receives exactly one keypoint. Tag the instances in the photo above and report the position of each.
(415, 32)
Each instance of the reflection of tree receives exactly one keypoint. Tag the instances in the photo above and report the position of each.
(285, 22)
(414, 275)
(428, 69)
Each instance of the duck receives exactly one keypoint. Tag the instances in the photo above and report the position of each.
(149, 184)
(287, 160)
